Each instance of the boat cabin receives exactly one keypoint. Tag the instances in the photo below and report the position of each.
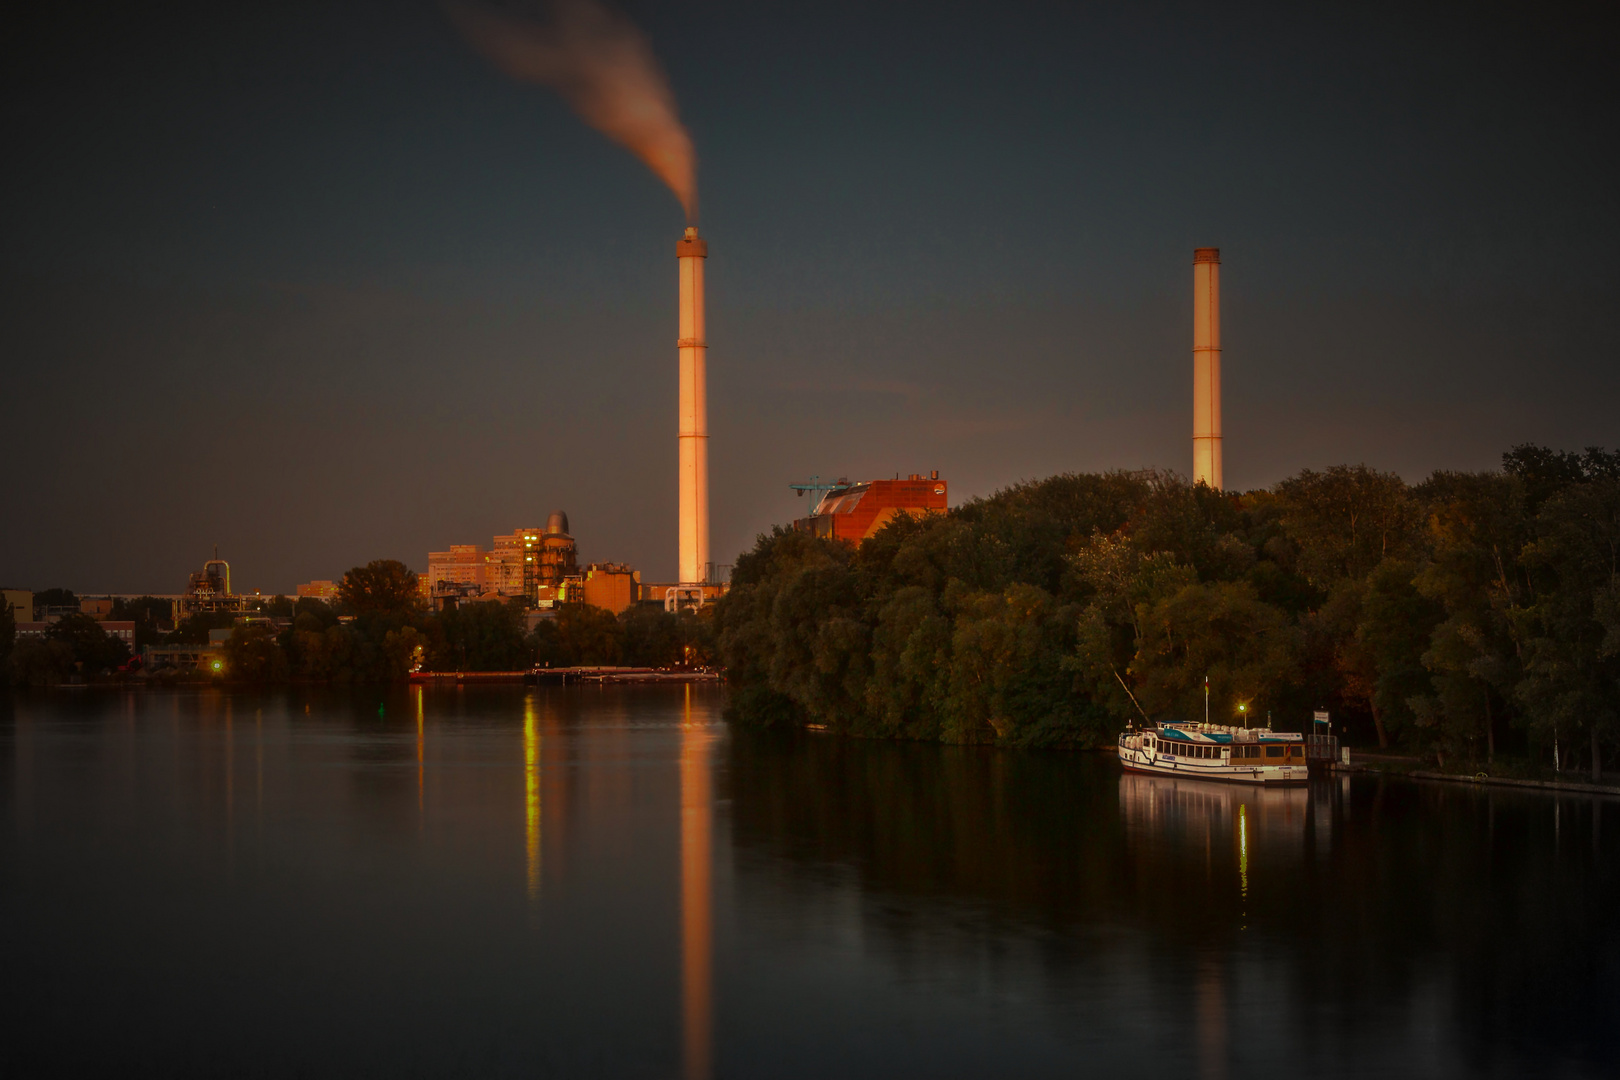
(1234, 746)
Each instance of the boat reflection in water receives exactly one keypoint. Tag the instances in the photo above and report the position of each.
(1211, 814)
(1230, 826)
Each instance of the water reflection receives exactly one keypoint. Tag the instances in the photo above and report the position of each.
(1211, 818)
(419, 693)
(1189, 912)
(738, 903)
(697, 906)
(531, 796)
(1211, 1021)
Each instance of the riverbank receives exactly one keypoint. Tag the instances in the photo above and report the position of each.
(1416, 769)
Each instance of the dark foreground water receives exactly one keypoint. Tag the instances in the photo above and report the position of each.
(581, 882)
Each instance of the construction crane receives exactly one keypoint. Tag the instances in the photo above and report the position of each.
(820, 487)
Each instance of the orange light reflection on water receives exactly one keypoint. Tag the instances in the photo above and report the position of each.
(531, 794)
(697, 931)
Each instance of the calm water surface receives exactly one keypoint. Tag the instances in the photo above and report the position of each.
(547, 882)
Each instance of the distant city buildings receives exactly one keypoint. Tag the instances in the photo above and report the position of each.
(20, 602)
(318, 590)
(121, 629)
(610, 585)
(532, 564)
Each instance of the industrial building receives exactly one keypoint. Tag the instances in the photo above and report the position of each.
(123, 630)
(612, 586)
(209, 591)
(530, 563)
(856, 511)
(317, 590)
(20, 602)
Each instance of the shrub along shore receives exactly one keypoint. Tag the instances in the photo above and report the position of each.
(1467, 617)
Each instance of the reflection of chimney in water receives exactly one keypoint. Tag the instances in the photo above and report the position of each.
(697, 908)
(1207, 367)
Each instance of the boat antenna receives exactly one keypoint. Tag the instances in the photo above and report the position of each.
(1132, 696)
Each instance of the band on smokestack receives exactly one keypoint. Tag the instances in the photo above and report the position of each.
(1207, 367)
(694, 418)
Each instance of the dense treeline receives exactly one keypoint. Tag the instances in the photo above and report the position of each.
(377, 631)
(1450, 617)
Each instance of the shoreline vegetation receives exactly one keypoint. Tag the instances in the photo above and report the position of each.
(377, 632)
(1471, 620)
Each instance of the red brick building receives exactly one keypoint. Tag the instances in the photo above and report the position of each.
(854, 512)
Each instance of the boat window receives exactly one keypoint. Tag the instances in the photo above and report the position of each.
(1274, 751)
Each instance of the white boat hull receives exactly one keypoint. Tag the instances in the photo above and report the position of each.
(1249, 771)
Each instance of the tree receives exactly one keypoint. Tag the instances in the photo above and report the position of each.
(252, 655)
(1346, 520)
(381, 587)
(478, 637)
(649, 636)
(36, 662)
(1382, 627)
(578, 635)
(193, 629)
(1008, 676)
(92, 646)
(148, 613)
(1571, 682)
(1221, 631)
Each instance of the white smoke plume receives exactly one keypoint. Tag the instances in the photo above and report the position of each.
(604, 67)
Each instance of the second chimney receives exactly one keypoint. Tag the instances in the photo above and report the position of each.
(1207, 367)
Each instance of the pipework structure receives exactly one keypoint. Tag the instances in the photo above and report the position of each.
(1207, 367)
(693, 436)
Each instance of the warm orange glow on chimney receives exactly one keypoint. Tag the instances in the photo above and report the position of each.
(1207, 367)
(691, 251)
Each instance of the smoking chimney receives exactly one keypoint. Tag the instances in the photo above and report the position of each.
(694, 429)
(1207, 367)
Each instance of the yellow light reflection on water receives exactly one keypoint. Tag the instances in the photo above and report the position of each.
(531, 794)
(696, 903)
(1243, 850)
(420, 801)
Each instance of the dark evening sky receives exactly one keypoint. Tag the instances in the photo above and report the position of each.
(320, 285)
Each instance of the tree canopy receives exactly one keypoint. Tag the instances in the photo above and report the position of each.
(1446, 616)
(381, 587)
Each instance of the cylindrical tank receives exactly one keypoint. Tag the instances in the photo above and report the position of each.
(694, 413)
(1207, 367)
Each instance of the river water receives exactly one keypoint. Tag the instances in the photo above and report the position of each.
(611, 882)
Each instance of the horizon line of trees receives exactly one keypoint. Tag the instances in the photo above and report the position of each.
(377, 631)
(1467, 615)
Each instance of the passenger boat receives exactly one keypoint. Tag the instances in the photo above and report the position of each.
(1216, 752)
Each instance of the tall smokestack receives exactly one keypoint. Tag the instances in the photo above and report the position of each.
(1207, 367)
(694, 429)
